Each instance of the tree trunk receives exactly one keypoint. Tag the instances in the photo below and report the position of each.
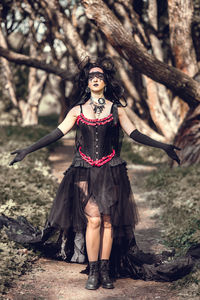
(180, 20)
(188, 138)
(29, 109)
(8, 72)
(124, 43)
(158, 97)
(142, 126)
(36, 84)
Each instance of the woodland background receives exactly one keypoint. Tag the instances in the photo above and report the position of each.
(155, 45)
(156, 49)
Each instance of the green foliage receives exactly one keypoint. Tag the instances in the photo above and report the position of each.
(139, 154)
(28, 189)
(178, 196)
(14, 261)
(130, 155)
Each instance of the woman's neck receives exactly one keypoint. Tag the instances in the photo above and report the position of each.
(97, 95)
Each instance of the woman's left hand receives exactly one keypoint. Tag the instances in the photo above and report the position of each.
(172, 154)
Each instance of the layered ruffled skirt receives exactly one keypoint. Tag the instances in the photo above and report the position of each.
(95, 191)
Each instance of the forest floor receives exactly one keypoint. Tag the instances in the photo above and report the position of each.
(56, 280)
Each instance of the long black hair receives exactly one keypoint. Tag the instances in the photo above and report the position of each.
(114, 91)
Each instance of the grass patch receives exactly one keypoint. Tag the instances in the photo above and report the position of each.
(176, 192)
(178, 196)
(138, 154)
(28, 189)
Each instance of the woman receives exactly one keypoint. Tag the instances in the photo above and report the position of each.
(95, 197)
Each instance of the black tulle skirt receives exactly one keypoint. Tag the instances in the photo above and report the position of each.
(98, 191)
(95, 191)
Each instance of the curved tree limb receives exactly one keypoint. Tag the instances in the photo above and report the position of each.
(181, 84)
(22, 59)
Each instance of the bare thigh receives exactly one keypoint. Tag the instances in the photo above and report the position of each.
(91, 209)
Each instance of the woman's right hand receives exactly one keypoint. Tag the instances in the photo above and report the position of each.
(20, 156)
(169, 149)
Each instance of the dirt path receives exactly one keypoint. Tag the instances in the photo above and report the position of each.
(55, 280)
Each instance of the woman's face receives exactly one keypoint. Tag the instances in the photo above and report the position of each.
(96, 80)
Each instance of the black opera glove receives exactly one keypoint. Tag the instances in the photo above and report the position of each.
(144, 139)
(43, 142)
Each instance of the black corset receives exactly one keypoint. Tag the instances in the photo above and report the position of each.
(96, 139)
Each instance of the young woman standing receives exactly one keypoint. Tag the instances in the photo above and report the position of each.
(95, 197)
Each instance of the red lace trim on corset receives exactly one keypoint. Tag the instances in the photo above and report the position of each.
(94, 122)
(98, 162)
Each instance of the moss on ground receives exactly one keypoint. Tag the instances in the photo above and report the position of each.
(27, 189)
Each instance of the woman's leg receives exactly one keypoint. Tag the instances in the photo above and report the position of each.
(93, 237)
(106, 246)
(93, 225)
(92, 245)
(106, 237)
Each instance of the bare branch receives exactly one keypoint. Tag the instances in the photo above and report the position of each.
(22, 59)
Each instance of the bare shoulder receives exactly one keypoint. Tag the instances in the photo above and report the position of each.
(75, 111)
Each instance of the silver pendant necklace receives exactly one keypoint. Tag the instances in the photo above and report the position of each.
(97, 105)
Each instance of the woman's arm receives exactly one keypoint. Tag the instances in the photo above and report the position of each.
(69, 120)
(125, 122)
(52, 137)
(139, 137)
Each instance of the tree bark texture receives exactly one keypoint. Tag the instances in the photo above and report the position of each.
(127, 47)
(158, 98)
(142, 126)
(188, 138)
(160, 119)
(180, 20)
(8, 71)
(29, 109)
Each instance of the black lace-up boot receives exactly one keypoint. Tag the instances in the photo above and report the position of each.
(106, 282)
(93, 278)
